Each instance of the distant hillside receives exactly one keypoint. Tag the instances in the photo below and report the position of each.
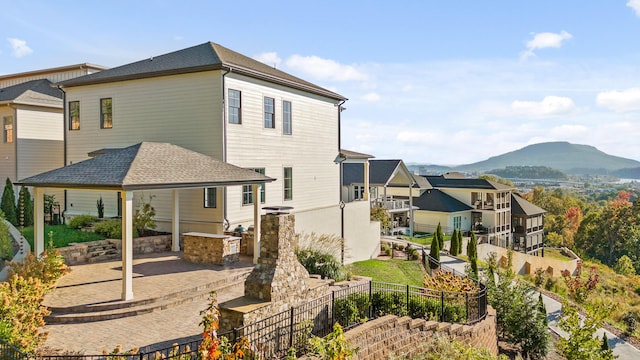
(529, 172)
(569, 158)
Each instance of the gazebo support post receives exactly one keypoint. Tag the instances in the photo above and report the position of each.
(38, 220)
(175, 222)
(256, 223)
(127, 245)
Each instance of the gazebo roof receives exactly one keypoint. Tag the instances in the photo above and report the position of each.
(146, 165)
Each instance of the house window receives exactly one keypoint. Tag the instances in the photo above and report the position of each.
(7, 126)
(358, 192)
(247, 190)
(235, 115)
(288, 183)
(457, 222)
(269, 113)
(106, 114)
(286, 117)
(74, 115)
(210, 197)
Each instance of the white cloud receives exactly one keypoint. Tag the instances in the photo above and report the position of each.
(544, 40)
(549, 106)
(635, 5)
(324, 69)
(620, 101)
(19, 47)
(269, 58)
(371, 97)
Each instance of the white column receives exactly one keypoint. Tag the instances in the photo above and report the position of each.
(366, 180)
(175, 222)
(127, 245)
(256, 223)
(38, 220)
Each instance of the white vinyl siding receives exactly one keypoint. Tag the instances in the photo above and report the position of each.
(40, 145)
(310, 150)
(53, 76)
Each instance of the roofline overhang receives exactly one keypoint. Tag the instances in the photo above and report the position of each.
(139, 187)
(56, 69)
(224, 66)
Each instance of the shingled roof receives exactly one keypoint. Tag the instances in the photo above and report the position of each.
(34, 92)
(147, 165)
(203, 57)
(465, 183)
(520, 206)
(436, 200)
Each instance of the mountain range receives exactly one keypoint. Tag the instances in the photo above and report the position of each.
(573, 159)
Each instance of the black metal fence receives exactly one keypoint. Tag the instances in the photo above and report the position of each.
(350, 306)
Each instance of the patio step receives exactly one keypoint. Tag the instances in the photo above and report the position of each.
(102, 252)
(102, 312)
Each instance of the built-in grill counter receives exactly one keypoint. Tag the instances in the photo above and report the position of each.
(218, 249)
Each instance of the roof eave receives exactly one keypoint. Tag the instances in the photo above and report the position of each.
(136, 187)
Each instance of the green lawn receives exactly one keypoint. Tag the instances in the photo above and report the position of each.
(555, 254)
(62, 235)
(391, 271)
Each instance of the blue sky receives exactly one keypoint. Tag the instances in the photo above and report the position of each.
(444, 82)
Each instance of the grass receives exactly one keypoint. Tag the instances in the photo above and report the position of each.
(62, 235)
(391, 271)
(555, 254)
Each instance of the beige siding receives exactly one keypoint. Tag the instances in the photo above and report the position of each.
(361, 235)
(309, 151)
(184, 110)
(54, 76)
(7, 150)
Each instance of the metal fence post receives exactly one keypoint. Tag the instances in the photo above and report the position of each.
(370, 299)
(291, 328)
(467, 305)
(333, 304)
(407, 299)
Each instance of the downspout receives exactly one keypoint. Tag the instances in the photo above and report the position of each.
(64, 143)
(342, 205)
(225, 221)
(15, 137)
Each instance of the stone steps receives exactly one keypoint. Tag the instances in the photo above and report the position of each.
(102, 312)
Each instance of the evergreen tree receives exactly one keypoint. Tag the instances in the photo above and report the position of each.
(605, 343)
(440, 236)
(459, 241)
(453, 249)
(472, 254)
(435, 251)
(26, 209)
(8, 204)
(542, 311)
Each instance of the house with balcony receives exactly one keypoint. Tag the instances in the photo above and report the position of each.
(527, 220)
(220, 103)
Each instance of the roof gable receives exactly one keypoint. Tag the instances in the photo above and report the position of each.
(34, 91)
(204, 57)
(520, 206)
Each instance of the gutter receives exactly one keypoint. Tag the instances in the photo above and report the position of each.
(64, 139)
(225, 221)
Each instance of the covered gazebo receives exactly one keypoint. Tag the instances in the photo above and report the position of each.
(143, 166)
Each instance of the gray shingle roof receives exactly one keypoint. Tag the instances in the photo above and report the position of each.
(380, 172)
(436, 200)
(203, 57)
(32, 92)
(465, 183)
(147, 165)
(520, 206)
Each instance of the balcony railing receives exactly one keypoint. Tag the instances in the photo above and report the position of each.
(392, 204)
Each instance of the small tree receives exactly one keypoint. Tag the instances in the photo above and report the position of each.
(379, 213)
(472, 254)
(8, 204)
(434, 252)
(100, 206)
(624, 266)
(581, 343)
(453, 248)
(459, 241)
(440, 235)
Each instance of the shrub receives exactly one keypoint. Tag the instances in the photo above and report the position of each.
(320, 255)
(333, 346)
(352, 309)
(81, 221)
(385, 248)
(143, 217)
(112, 229)
(414, 254)
(388, 303)
(631, 319)
(538, 277)
(6, 243)
(624, 266)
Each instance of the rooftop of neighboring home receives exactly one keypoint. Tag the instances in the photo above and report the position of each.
(34, 92)
(50, 73)
(204, 57)
(520, 206)
(381, 172)
(453, 181)
(436, 200)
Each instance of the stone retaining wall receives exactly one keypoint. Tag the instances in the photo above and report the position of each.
(80, 253)
(392, 336)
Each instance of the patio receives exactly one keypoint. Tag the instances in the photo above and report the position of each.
(170, 293)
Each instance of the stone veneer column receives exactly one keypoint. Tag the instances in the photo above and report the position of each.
(278, 275)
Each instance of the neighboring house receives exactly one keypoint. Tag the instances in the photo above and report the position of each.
(220, 103)
(528, 225)
(437, 207)
(31, 116)
(389, 185)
